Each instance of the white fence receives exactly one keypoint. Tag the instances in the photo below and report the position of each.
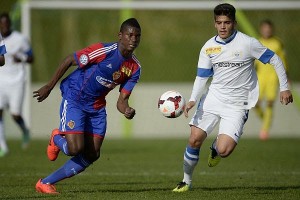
(148, 123)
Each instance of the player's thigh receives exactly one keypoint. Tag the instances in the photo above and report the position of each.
(72, 118)
(72, 124)
(3, 98)
(96, 123)
(206, 116)
(15, 97)
(232, 122)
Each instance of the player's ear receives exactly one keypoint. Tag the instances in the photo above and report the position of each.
(120, 35)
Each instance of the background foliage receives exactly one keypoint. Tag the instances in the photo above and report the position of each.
(171, 40)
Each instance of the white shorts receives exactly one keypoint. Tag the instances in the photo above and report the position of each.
(210, 111)
(12, 96)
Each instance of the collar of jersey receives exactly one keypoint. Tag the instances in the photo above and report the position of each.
(227, 40)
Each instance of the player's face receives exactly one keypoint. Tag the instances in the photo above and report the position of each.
(266, 31)
(129, 39)
(225, 26)
(4, 26)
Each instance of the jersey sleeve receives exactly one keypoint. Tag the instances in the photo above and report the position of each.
(204, 68)
(92, 54)
(2, 46)
(128, 86)
(260, 52)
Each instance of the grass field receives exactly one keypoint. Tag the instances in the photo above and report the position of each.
(149, 169)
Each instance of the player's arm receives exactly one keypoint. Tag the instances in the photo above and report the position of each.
(204, 71)
(44, 91)
(286, 96)
(198, 88)
(2, 51)
(2, 60)
(123, 106)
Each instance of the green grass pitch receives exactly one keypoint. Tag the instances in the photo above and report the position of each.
(150, 169)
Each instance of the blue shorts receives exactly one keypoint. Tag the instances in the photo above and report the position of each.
(75, 120)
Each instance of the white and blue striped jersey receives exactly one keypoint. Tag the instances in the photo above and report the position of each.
(231, 64)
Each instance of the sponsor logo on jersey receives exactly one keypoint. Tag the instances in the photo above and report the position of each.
(83, 59)
(228, 64)
(106, 83)
(71, 124)
(213, 50)
(126, 70)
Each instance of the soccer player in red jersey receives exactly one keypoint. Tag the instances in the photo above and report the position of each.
(101, 67)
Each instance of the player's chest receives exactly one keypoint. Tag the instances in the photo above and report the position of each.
(13, 45)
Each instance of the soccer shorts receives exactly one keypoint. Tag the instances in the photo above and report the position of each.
(211, 111)
(75, 120)
(12, 95)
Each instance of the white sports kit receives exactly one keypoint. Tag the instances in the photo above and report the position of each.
(12, 74)
(234, 87)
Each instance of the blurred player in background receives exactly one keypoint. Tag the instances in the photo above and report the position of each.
(101, 67)
(2, 51)
(229, 59)
(267, 78)
(13, 78)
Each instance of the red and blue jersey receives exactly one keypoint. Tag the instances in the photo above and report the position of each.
(101, 67)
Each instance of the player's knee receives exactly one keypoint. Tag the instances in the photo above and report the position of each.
(92, 156)
(74, 150)
(224, 151)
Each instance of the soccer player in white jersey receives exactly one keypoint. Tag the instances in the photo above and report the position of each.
(228, 58)
(12, 78)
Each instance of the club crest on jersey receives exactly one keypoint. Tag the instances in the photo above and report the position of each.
(237, 54)
(83, 59)
(213, 50)
(116, 75)
(71, 124)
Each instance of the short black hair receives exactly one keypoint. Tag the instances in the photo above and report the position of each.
(5, 15)
(225, 9)
(131, 22)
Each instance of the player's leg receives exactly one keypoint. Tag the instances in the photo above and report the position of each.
(230, 130)
(84, 147)
(271, 94)
(3, 103)
(16, 98)
(267, 121)
(201, 124)
(191, 158)
(3, 145)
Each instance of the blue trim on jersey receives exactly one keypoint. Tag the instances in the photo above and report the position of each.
(227, 40)
(266, 56)
(2, 50)
(201, 72)
(29, 52)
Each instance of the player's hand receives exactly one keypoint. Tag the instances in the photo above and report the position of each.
(42, 93)
(188, 107)
(129, 113)
(286, 97)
